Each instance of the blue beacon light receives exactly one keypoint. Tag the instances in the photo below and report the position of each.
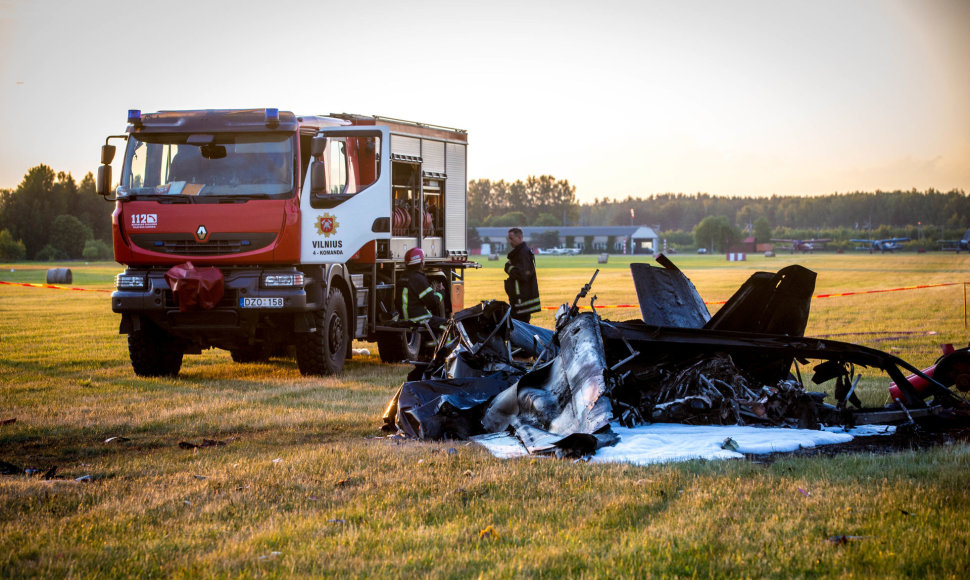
(272, 116)
(134, 116)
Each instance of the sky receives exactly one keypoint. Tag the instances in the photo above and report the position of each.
(621, 98)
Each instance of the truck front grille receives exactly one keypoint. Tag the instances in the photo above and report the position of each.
(217, 245)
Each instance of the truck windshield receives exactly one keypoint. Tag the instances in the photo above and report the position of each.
(219, 164)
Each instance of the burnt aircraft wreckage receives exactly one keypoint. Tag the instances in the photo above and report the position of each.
(504, 383)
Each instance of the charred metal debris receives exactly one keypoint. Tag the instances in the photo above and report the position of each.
(502, 382)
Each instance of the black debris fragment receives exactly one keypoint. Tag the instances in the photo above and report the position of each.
(844, 539)
(205, 443)
(10, 469)
(667, 297)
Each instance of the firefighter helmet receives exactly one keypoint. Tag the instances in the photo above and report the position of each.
(414, 257)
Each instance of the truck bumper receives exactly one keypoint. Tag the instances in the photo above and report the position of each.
(244, 307)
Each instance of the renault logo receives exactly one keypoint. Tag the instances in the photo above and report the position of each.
(202, 234)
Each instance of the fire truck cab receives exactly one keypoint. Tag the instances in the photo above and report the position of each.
(260, 231)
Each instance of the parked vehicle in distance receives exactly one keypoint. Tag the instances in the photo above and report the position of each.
(882, 246)
(557, 251)
(804, 246)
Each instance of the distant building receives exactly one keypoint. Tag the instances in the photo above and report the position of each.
(610, 239)
(747, 245)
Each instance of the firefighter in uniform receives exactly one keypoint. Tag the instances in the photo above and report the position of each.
(521, 286)
(414, 297)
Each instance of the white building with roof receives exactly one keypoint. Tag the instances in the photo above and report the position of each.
(588, 239)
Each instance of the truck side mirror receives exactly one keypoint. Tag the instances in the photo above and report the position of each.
(318, 178)
(103, 184)
(104, 179)
(107, 154)
(317, 145)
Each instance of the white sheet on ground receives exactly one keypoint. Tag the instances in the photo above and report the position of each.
(668, 442)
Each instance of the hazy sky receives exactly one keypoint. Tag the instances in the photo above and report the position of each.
(748, 97)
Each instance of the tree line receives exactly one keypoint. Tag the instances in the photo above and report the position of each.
(547, 201)
(539, 201)
(717, 222)
(50, 216)
(856, 210)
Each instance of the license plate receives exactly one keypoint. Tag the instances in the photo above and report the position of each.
(262, 302)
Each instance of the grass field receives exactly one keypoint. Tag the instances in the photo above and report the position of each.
(305, 485)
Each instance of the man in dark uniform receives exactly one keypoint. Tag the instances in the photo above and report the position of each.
(415, 299)
(521, 286)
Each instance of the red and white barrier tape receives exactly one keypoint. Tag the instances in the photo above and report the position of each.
(597, 306)
(52, 287)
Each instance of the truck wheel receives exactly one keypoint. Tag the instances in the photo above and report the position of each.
(154, 352)
(322, 352)
(395, 347)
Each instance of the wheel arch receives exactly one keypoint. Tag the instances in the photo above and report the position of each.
(338, 276)
(325, 277)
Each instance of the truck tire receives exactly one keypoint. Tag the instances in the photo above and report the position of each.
(154, 352)
(322, 351)
(395, 347)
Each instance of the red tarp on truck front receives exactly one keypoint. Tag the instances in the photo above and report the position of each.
(195, 287)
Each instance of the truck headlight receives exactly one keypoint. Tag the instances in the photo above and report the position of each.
(289, 280)
(130, 281)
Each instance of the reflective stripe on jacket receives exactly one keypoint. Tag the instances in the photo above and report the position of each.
(415, 297)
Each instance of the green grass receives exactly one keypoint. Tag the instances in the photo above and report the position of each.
(306, 486)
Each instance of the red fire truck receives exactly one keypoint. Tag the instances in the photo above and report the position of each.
(299, 225)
